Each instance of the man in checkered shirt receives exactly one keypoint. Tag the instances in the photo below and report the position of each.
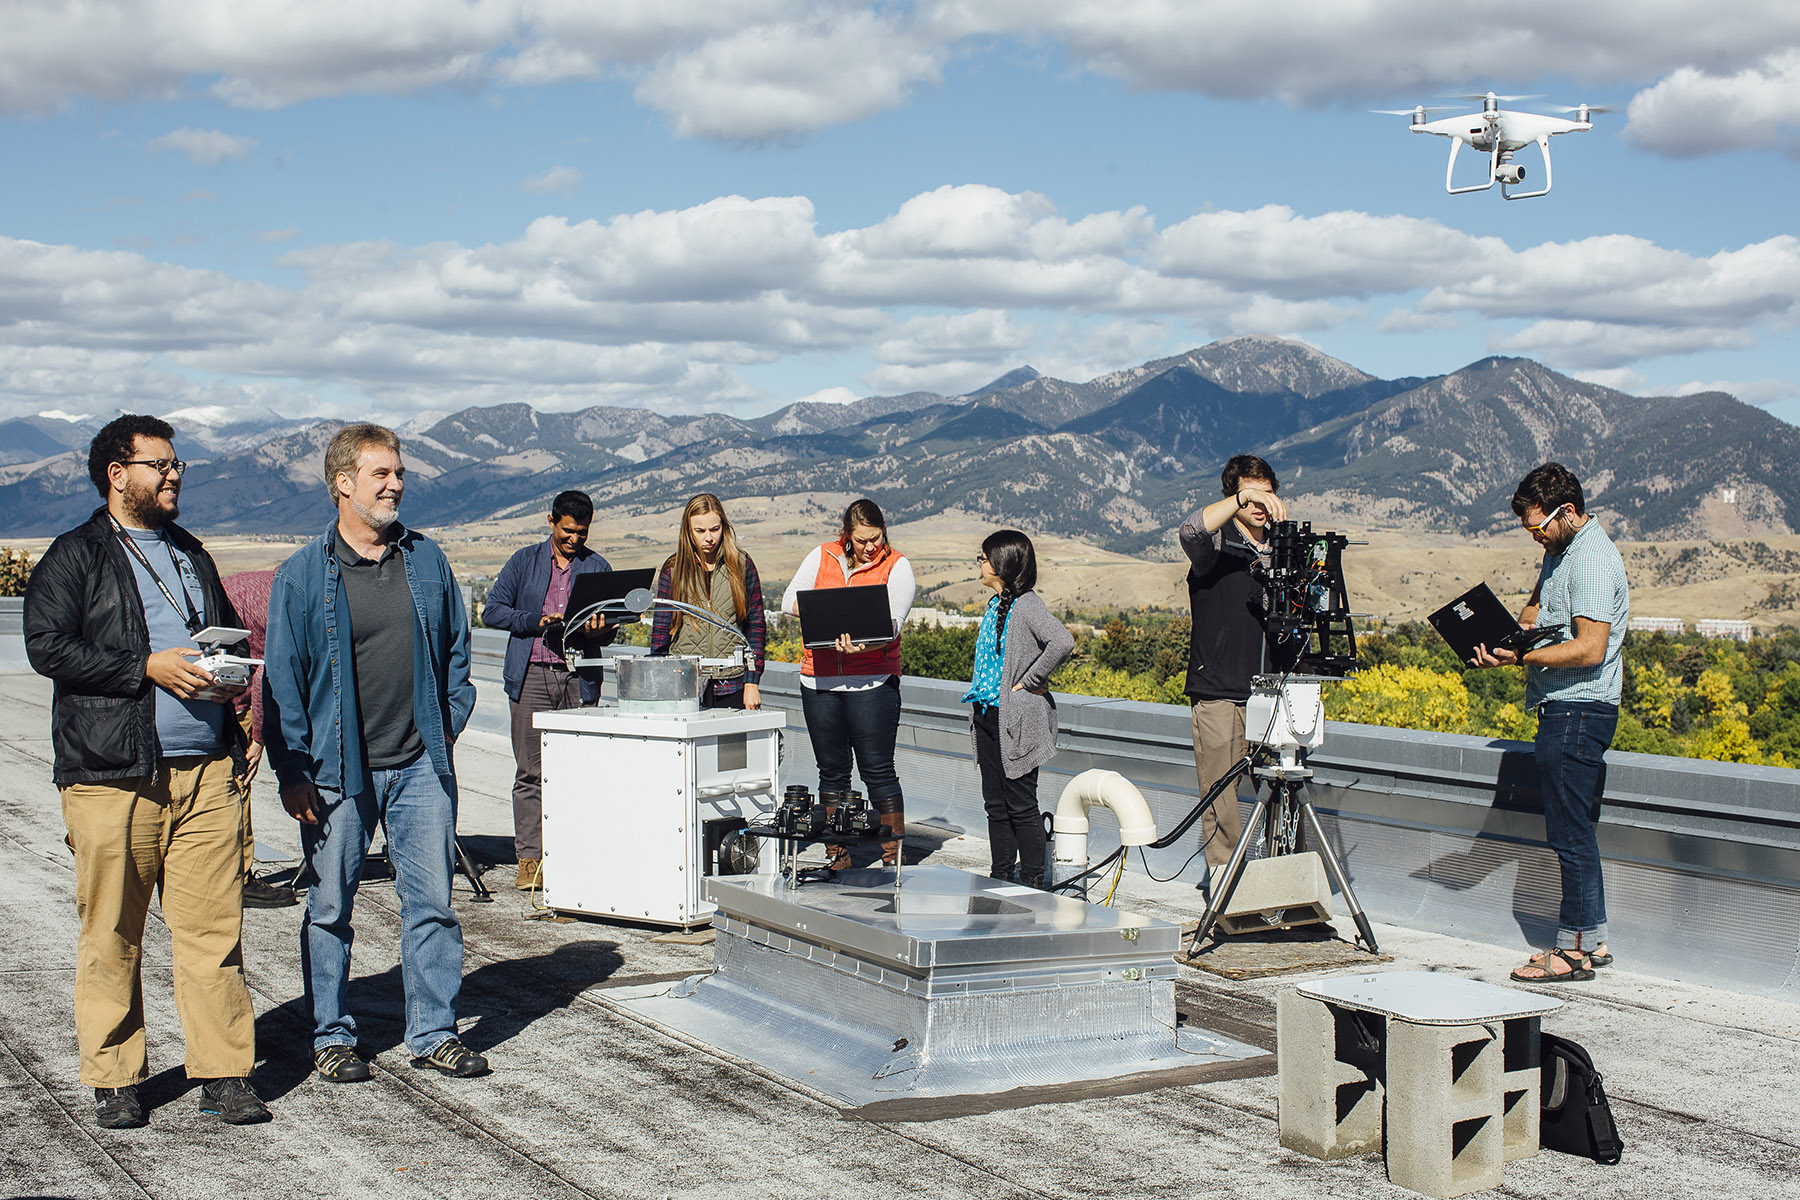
(1574, 681)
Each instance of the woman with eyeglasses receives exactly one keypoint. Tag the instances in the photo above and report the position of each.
(850, 693)
(1013, 717)
(709, 571)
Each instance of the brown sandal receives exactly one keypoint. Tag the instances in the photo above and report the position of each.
(1578, 972)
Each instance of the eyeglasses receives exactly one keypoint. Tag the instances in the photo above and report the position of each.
(1544, 525)
(980, 558)
(162, 466)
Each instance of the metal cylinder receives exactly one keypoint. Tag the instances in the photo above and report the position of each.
(663, 684)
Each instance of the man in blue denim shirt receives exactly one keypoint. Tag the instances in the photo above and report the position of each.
(1575, 682)
(366, 688)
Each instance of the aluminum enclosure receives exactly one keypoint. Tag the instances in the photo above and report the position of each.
(634, 805)
(956, 985)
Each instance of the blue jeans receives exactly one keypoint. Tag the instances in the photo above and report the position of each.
(418, 807)
(866, 724)
(1572, 737)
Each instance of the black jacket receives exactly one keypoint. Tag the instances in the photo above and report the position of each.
(85, 629)
(1229, 644)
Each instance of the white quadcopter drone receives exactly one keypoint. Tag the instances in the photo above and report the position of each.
(1499, 133)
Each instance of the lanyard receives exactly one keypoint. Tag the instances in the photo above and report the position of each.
(194, 623)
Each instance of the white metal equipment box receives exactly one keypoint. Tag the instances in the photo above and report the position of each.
(635, 805)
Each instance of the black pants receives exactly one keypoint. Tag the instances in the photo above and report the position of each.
(863, 725)
(1015, 827)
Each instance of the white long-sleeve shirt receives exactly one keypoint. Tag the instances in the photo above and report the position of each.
(902, 586)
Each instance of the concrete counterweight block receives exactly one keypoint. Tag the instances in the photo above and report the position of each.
(1445, 1109)
(1278, 893)
(1329, 1065)
(1522, 1087)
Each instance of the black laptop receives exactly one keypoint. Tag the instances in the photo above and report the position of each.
(861, 612)
(1477, 618)
(593, 587)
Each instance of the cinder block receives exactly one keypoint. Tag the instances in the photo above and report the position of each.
(1278, 893)
(1521, 1087)
(1445, 1115)
(1331, 1095)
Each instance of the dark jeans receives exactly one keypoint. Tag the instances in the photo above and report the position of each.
(862, 724)
(712, 699)
(1015, 827)
(1572, 737)
(865, 725)
(544, 689)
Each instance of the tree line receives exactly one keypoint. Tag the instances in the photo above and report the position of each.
(1685, 695)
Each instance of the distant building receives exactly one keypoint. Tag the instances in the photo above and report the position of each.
(1743, 631)
(939, 618)
(1673, 626)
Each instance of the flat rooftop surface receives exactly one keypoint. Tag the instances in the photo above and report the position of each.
(588, 1100)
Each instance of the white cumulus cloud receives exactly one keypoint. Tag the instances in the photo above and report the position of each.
(666, 307)
(773, 81)
(770, 70)
(1695, 111)
(557, 179)
(208, 147)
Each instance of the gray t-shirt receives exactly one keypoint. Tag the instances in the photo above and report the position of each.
(382, 624)
(184, 727)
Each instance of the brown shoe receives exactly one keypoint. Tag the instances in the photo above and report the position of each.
(531, 874)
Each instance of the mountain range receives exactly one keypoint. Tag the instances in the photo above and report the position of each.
(1116, 461)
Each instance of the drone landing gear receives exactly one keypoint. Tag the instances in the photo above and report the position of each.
(1289, 806)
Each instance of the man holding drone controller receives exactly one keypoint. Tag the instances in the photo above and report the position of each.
(146, 754)
(1575, 683)
(1229, 644)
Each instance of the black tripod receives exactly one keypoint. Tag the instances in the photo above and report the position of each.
(464, 863)
(1286, 779)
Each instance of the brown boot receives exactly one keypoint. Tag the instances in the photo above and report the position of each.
(837, 858)
(531, 874)
(893, 821)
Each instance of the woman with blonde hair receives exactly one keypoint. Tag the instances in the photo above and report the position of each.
(709, 571)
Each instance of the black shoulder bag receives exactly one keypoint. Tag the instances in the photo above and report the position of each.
(1575, 1118)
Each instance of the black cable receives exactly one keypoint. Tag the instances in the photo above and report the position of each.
(1184, 866)
(1095, 870)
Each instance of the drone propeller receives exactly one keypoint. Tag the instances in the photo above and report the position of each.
(1407, 112)
(1593, 108)
(1481, 97)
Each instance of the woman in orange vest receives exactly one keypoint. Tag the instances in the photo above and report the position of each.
(850, 694)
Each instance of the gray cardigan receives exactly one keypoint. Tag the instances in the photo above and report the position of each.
(1036, 644)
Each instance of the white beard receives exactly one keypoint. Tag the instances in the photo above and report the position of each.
(374, 517)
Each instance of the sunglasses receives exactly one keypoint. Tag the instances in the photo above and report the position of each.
(1544, 525)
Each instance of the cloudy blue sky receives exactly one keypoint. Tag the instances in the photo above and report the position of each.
(344, 208)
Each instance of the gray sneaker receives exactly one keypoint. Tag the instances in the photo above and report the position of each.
(340, 1064)
(119, 1108)
(232, 1101)
(454, 1059)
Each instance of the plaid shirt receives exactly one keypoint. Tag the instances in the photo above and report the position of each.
(249, 592)
(753, 625)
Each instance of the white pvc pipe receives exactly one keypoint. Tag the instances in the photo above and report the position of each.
(1109, 789)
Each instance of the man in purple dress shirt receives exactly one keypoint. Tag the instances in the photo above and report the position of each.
(528, 600)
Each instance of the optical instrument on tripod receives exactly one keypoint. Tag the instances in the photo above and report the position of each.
(1309, 624)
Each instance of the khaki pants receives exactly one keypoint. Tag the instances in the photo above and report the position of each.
(1218, 743)
(249, 833)
(184, 835)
